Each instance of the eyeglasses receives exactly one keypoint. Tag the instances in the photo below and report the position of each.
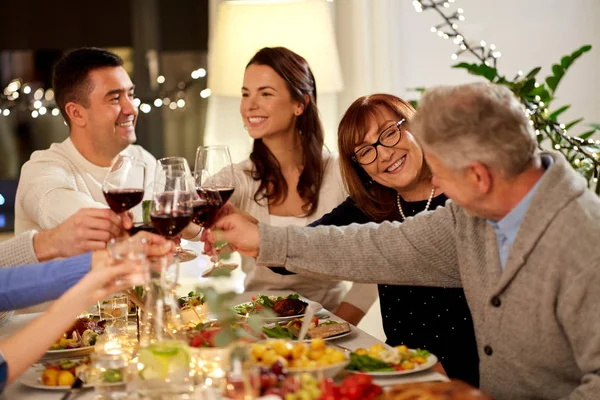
(388, 138)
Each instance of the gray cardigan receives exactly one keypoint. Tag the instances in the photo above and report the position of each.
(537, 323)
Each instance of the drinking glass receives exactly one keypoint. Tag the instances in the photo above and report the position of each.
(175, 171)
(123, 186)
(110, 374)
(215, 184)
(115, 310)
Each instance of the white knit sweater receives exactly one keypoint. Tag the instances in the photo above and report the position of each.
(57, 182)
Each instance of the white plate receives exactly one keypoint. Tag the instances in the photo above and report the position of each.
(341, 335)
(33, 378)
(66, 353)
(431, 361)
(280, 319)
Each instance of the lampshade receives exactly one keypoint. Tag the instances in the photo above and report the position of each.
(244, 27)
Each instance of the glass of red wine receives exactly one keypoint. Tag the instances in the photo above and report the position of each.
(177, 167)
(123, 186)
(171, 208)
(215, 184)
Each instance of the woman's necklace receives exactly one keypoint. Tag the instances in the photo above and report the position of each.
(426, 207)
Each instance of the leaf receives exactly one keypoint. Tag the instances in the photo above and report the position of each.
(552, 83)
(595, 126)
(527, 87)
(572, 123)
(587, 134)
(557, 70)
(225, 337)
(479, 69)
(541, 91)
(419, 89)
(488, 72)
(533, 72)
(556, 113)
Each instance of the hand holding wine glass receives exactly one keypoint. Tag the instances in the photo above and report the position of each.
(215, 184)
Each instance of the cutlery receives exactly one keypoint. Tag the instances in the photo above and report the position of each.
(75, 388)
(308, 314)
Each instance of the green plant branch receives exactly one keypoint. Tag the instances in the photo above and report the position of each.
(536, 96)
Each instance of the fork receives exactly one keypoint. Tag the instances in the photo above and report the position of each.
(75, 388)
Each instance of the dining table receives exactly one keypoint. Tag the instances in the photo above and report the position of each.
(190, 278)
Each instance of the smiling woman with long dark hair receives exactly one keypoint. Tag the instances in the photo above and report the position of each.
(290, 178)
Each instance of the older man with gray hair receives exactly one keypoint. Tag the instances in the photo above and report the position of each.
(520, 236)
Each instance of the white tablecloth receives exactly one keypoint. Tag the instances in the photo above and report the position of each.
(190, 277)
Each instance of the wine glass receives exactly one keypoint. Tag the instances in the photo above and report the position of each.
(123, 186)
(176, 166)
(171, 209)
(215, 183)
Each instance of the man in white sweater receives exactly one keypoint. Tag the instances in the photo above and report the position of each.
(95, 96)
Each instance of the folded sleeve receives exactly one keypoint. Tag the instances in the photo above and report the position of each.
(18, 250)
(362, 296)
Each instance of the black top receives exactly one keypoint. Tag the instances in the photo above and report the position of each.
(432, 318)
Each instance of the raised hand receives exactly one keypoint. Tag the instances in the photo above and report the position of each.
(87, 230)
(241, 234)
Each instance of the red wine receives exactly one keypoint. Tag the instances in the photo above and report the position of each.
(205, 212)
(142, 226)
(121, 200)
(221, 194)
(170, 225)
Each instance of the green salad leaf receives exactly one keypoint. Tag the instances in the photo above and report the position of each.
(367, 364)
(278, 332)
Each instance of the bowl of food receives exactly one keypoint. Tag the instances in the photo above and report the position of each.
(314, 357)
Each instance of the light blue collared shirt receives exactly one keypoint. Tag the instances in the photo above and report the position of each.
(507, 228)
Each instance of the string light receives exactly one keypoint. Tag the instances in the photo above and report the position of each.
(17, 96)
(205, 93)
(145, 108)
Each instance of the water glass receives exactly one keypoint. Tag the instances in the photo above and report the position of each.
(110, 375)
(131, 250)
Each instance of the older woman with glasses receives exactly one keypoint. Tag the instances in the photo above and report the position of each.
(388, 180)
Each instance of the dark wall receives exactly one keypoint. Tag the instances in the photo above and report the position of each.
(66, 24)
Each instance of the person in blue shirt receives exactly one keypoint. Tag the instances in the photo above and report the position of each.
(80, 282)
(32, 284)
(25, 347)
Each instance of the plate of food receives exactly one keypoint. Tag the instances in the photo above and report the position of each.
(193, 308)
(79, 339)
(381, 361)
(283, 307)
(59, 375)
(315, 357)
(326, 330)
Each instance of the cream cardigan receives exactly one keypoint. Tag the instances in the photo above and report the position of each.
(327, 292)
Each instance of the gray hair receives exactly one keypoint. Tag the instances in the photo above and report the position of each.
(475, 122)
